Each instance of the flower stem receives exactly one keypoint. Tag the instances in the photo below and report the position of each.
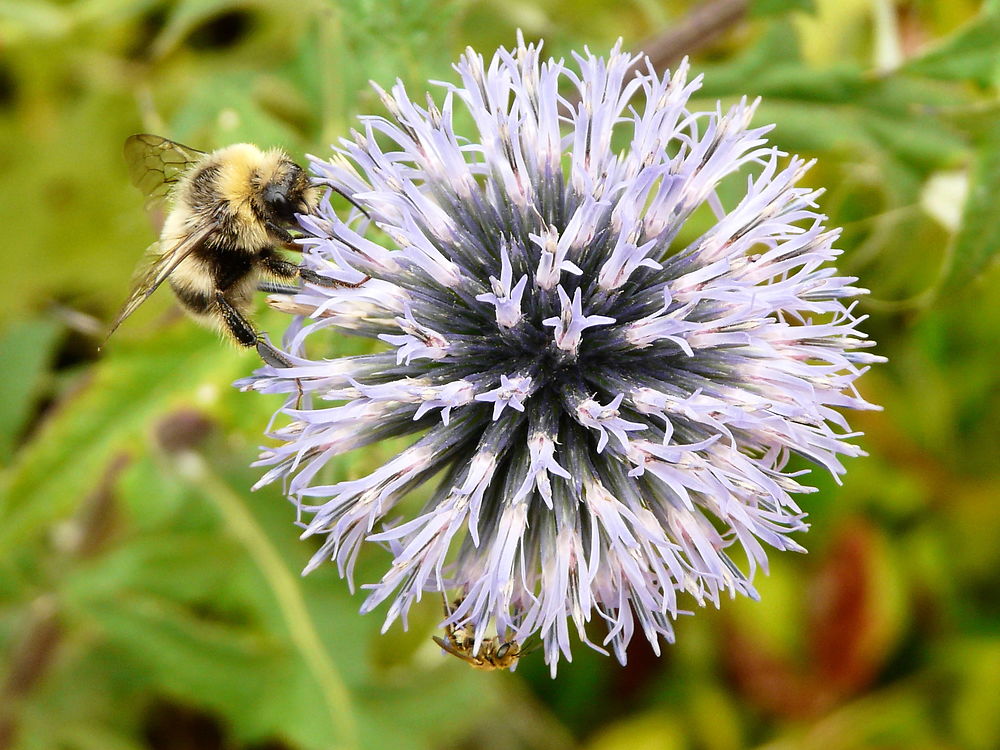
(285, 586)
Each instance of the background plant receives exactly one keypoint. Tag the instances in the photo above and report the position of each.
(147, 599)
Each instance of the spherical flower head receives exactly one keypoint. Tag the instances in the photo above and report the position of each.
(608, 409)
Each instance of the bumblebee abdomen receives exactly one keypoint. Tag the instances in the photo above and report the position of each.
(208, 271)
(227, 266)
(195, 301)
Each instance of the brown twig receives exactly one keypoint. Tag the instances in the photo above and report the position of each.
(28, 663)
(700, 27)
(703, 25)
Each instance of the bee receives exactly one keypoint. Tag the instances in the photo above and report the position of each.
(229, 213)
(494, 653)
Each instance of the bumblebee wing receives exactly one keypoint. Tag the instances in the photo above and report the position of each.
(155, 164)
(157, 265)
(453, 651)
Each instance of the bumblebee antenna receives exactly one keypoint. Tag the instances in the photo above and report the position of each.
(350, 200)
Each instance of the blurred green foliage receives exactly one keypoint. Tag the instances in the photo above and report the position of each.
(148, 599)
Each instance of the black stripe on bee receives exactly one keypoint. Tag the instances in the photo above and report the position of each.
(197, 302)
(227, 265)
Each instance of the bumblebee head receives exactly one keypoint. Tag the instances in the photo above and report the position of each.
(285, 189)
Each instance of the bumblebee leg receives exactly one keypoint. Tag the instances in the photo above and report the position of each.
(236, 325)
(286, 240)
(245, 334)
(282, 234)
(285, 270)
(273, 357)
(280, 267)
(314, 278)
(272, 287)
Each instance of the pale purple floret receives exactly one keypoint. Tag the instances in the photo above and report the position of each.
(607, 400)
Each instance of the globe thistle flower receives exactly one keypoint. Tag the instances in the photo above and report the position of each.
(610, 411)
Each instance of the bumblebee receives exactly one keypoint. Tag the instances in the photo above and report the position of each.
(228, 214)
(494, 653)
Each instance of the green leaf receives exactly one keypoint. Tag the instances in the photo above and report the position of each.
(200, 659)
(111, 415)
(87, 735)
(841, 108)
(921, 142)
(765, 8)
(976, 721)
(177, 565)
(970, 54)
(425, 718)
(26, 19)
(651, 730)
(233, 99)
(978, 242)
(25, 351)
